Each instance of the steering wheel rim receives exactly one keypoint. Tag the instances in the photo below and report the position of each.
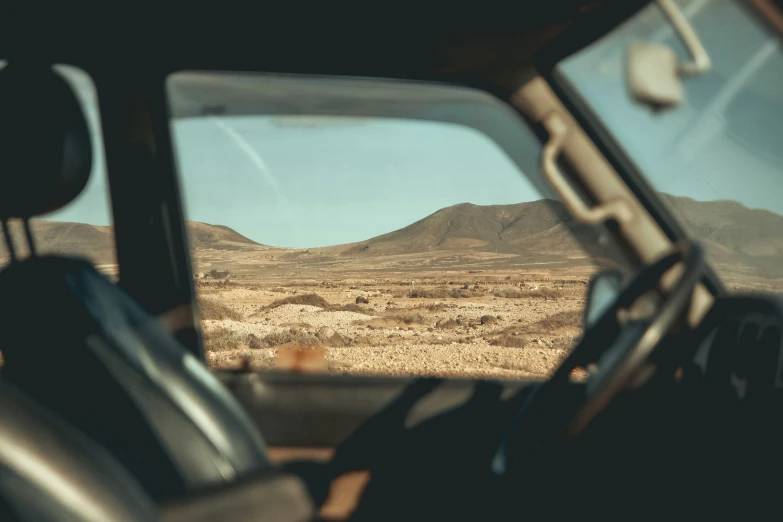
(621, 369)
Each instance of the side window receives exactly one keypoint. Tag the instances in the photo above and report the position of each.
(83, 227)
(371, 227)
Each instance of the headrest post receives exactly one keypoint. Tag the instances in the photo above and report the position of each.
(9, 242)
(30, 240)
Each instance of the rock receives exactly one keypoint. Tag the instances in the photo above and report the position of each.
(329, 337)
(488, 319)
(253, 341)
(446, 324)
(499, 317)
(362, 300)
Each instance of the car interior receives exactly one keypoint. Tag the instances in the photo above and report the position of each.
(108, 411)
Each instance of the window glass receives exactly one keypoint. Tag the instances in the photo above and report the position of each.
(349, 225)
(717, 157)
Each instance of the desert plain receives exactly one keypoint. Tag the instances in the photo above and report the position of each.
(469, 291)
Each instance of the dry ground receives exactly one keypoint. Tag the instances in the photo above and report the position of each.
(506, 324)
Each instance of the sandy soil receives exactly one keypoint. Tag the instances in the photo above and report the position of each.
(493, 324)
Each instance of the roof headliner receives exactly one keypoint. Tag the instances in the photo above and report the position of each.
(425, 43)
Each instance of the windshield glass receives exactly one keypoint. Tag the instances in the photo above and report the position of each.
(383, 228)
(717, 157)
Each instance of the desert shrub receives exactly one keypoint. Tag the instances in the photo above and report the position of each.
(546, 293)
(292, 335)
(350, 307)
(409, 317)
(441, 292)
(565, 342)
(537, 293)
(253, 341)
(510, 293)
(570, 318)
(222, 339)
(303, 299)
(212, 309)
(366, 340)
(509, 341)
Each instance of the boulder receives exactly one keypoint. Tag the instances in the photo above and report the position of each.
(488, 319)
(446, 324)
(329, 337)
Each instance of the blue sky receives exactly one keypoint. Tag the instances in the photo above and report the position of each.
(725, 142)
(308, 182)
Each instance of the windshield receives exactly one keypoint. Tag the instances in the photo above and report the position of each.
(717, 158)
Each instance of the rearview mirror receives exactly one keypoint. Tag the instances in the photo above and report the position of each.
(653, 77)
(653, 70)
(602, 290)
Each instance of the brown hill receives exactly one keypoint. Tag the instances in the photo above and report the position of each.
(538, 227)
(219, 237)
(97, 242)
(738, 239)
(734, 235)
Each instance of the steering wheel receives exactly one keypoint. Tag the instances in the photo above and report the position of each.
(619, 351)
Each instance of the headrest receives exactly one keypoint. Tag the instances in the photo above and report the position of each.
(45, 147)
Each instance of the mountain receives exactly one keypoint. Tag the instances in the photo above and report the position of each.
(538, 229)
(733, 234)
(97, 242)
(738, 239)
(218, 237)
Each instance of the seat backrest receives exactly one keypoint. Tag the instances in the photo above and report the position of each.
(51, 473)
(79, 345)
(85, 349)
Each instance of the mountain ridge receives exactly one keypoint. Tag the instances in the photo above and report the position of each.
(534, 231)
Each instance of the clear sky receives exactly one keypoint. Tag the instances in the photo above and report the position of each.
(308, 182)
(726, 140)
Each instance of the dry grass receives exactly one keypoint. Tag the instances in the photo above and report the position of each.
(211, 309)
(516, 336)
(527, 293)
(222, 339)
(351, 307)
(292, 335)
(442, 292)
(303, 299)
(570, 318)
(409, 317)
(509, 341)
